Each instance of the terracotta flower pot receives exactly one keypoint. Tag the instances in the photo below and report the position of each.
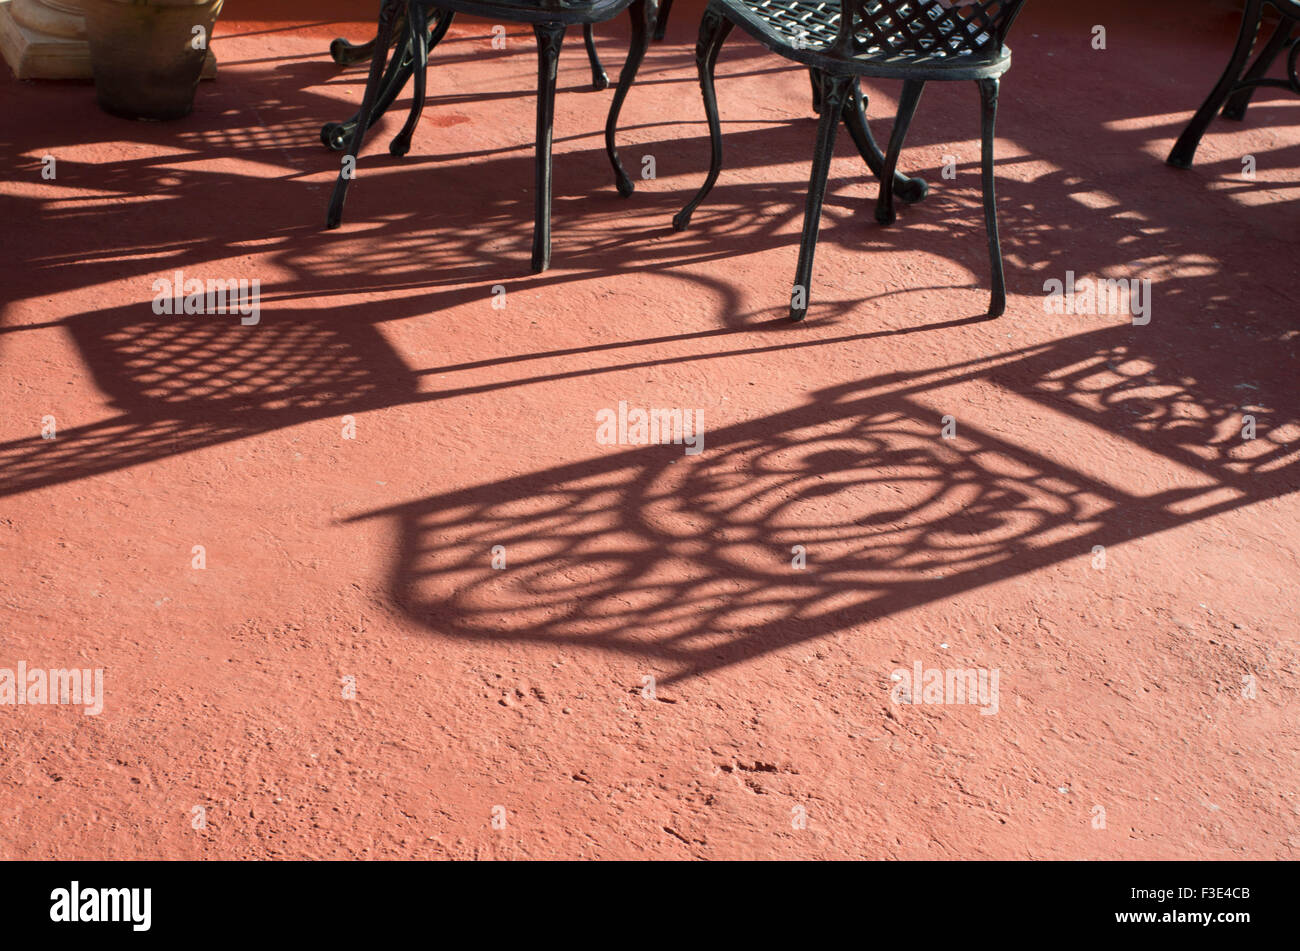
(143, 54)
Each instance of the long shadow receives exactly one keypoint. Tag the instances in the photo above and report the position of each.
(245, 391)
(691, 563)
(179, 384)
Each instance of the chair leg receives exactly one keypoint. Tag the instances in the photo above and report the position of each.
(989, 100)
(349, 54)
(714, 28)
(661, 21)
(643, 14)
(834, 91)
(419, 30)
(335, 135)
(598, 78)
(1184, 150)
(1239, 101)
(387, 13)
(907, 190)
(816, 91)
(550, 36)
(907, 103)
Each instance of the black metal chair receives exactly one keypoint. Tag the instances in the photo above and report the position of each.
(1235, 88)
(661, 23)
(917, 41)
(549, 19)
(337, 135)
(349, 54)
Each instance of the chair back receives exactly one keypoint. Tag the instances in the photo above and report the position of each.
(935, 28)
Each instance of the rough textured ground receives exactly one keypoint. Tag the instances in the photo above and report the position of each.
(1126, 687)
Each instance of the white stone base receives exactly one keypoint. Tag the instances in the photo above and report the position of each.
(35, 55)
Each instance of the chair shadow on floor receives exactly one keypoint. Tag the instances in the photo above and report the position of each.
(694, 562)
(177, 384)
(687, 560)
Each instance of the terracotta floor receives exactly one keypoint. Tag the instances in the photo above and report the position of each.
(1146, 698)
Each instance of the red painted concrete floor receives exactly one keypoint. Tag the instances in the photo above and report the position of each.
(1146, 699)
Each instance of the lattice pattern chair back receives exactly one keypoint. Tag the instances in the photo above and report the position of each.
(935, 28)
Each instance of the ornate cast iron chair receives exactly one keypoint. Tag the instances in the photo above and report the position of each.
(917, 41)
(661, 23)
(1238, 84)
(335, 134)
(349, 54)
(549, 19)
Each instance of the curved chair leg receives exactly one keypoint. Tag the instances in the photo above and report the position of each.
(348, 54)
(335, 135)
(1239, 101)
(418, 60)
(989, 101)
(550, 36)
(835, 90)
(907, 103)
(816, 91)
(387, 13)
(419, 30)
(643, 20)
(714, 29)
(907, 190)
(661, 21)
(598, 78)
(1184, 150)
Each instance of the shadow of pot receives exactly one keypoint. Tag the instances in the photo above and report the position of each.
(146, 55)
